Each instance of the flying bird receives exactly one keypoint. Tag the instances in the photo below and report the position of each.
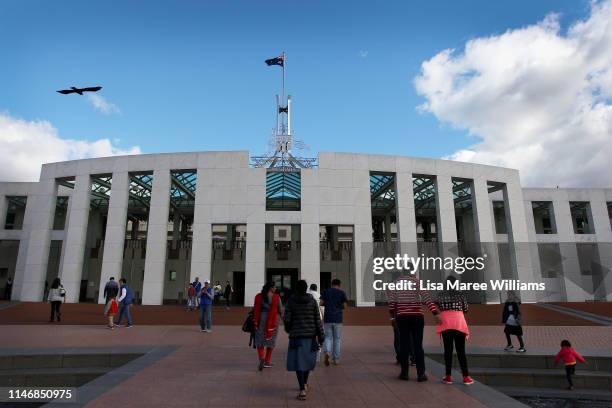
(79, 90)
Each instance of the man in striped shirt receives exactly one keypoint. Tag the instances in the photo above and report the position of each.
(406, 311)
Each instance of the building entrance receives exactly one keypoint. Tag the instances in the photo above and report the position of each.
(284, 279)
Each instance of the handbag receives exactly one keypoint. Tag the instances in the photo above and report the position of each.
(248, 326)
(62, 292)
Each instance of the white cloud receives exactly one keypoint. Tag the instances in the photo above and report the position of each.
(538, 99)
(25, 145)
(363, 54)
(102, 105)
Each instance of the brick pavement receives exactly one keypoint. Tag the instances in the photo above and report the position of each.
(218, 369)
(83, 313)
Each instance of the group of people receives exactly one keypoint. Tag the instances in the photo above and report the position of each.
(449, 309)
(194, 294)
(118, 300)
(314, 321)
(311, 320)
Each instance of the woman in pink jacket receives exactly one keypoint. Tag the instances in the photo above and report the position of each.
(453, 329)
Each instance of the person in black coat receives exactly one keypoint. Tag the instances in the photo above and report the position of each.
(511, 318)
(303, 323)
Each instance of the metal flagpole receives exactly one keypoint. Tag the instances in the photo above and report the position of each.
(284, 61)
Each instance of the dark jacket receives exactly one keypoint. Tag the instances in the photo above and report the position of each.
(111, 290)
(515, 311)
(302, 319)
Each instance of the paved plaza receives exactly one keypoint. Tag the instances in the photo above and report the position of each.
(218, 369)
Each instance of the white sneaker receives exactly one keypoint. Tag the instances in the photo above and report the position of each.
(508, 348)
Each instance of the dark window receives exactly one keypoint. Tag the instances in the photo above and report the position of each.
(543, 217)
(581, 215)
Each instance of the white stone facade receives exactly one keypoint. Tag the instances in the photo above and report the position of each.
(230, 192)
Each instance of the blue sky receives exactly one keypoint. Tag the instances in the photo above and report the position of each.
(190, 75)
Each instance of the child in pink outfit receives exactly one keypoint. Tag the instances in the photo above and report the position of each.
(569, 357)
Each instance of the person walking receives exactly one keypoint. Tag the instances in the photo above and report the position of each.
(266, 312)
(8, 288)
(111, 312)
(191, 297)
(312, 290)
(217, 290)
(111, 290)
(303, 324)
(56, 297)
(334, 300)
(227, 294)
(206, 300)
(511, 317)
(197, 285)
(569, 357)
(125, 303)
(406, 310)
(453, 329)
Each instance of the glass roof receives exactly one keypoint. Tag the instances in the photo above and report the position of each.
(382, 190)
(183, 187)
(283, 190)
(100, 191)
(424, 189)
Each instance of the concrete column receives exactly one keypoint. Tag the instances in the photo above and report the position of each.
(201, 251)
(3, 208)
(71, 268)
(484, 229)
(445, 211)
(33, 256)
(365, 294)
(569, 253)
(310, 264)
(255, 257)
(518, 238)
(157, 239)
(603, 231)
(405, 214)
(255, 274)
(114, 240)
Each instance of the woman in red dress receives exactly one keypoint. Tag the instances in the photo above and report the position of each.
(266, 313)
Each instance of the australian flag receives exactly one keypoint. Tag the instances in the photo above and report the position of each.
(280, 60)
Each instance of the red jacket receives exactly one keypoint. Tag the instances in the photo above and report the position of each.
(569, 356)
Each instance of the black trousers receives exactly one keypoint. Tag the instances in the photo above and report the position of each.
(569, 371)
(520, 339)
(411, 342)
(55, 310)
(457, 339)
(302, 377)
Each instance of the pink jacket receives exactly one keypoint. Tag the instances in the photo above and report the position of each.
(569, 356)
(452, 320)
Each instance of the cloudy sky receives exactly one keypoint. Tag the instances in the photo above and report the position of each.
(525, 84)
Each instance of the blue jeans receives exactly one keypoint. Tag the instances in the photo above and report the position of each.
(205, 317)
(125, 309)
(333, 332)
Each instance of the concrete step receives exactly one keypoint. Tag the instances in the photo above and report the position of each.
(542, 378)
(50, 377)
(68, 360)
(515, 360)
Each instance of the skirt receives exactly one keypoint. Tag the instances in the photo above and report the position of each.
(260, 340)
(300, 356)
(513, 330)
